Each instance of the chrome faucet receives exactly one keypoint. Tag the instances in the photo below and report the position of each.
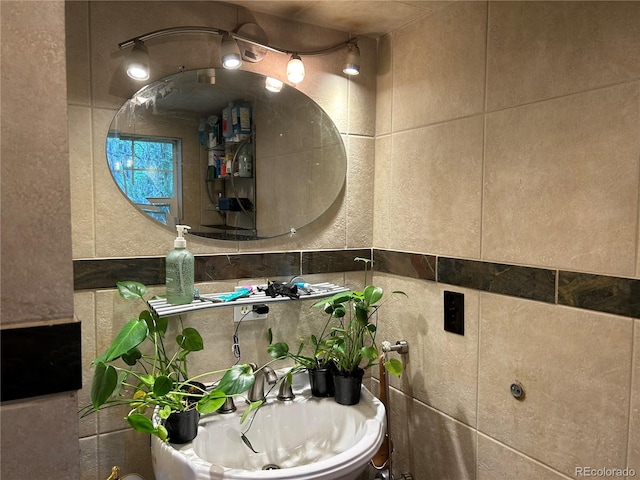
(266, 373)
(286, 392)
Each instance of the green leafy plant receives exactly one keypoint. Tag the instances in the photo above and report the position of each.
(319, 357)
(352, 343)
(126, 375)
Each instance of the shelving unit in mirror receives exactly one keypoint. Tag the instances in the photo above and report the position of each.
(220, 300)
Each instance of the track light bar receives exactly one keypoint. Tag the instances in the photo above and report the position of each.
(229, 52)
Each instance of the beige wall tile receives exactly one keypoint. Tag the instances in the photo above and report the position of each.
(77, 49)
(89, 459)
(498, 462)
(561, 182)
(84, 309)
(81, 175)
(127, 449)
(429, 444)
(36, 231)
(436, 183)
(29, 430)
(360, 193)
(574, 367)
(384, 85)
(383, 195)
(362, 90)
(633, 455)
(441, 367)
(638, 249)
(539, 50)
(439, 66)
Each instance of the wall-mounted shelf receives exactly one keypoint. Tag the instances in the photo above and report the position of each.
(163, 309)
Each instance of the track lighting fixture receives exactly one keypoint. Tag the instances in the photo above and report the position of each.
(352, 62)
(230, 53)
(138, 62)
(295, 69)
(254, 48)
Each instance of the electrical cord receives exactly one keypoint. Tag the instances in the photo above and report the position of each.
(235, 347)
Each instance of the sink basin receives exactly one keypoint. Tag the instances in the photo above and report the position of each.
(308, 438)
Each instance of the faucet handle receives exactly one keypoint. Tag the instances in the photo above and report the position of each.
(285, 393)
(228, 406)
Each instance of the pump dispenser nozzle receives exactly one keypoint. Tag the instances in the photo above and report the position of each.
(180, 241)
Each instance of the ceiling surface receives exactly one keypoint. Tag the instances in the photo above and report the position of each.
(371, 18)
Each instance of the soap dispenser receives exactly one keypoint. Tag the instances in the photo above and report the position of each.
(180, 270)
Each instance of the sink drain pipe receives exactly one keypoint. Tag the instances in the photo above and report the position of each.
(381, 461)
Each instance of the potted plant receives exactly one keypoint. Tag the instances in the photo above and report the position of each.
(143, 370)
(351, 345)
(319, 364)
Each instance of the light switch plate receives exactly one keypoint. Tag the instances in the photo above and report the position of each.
(454, 312)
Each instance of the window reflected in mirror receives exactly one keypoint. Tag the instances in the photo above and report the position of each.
(145, 170)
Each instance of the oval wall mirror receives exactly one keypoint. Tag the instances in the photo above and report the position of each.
(216, 150)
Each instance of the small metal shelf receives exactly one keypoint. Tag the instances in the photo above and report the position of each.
(163, 309)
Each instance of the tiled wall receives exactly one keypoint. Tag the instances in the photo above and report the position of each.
(508, 133)
(506, 167)
(112, 241)
(40, 336)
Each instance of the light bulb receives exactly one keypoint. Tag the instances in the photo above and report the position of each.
(273, 84)
(138, 62)
(295, 69)
(231, 58)
(352, 62)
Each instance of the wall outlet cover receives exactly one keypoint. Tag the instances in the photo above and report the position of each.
(454, 312)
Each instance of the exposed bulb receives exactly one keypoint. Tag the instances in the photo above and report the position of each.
(352, 62)
(138, 62)
(273, 84)
(295, 69)
(231, 58)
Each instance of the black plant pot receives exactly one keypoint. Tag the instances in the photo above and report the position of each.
(194, 393)
(182, 427)
(347, 388)
(321, 381)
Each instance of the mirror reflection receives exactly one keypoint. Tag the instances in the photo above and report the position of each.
(216, 150)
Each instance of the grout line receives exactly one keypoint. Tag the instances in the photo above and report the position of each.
(520, 105)
(480, 296)
(483, 163)
(631, 375)
(522, 454)
(637, 269)
(92, 127)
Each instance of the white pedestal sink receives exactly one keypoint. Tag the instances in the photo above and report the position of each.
(305, 439)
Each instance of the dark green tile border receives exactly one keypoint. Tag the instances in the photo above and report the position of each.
(329, 261)
(251, 265)
(40, 360)
(95, 274)
(411, 265)
(620, 296)
(516, 281)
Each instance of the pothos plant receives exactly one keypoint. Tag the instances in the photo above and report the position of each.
(319, 357)
(348, 336)
(127, 374)
(352, 342)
